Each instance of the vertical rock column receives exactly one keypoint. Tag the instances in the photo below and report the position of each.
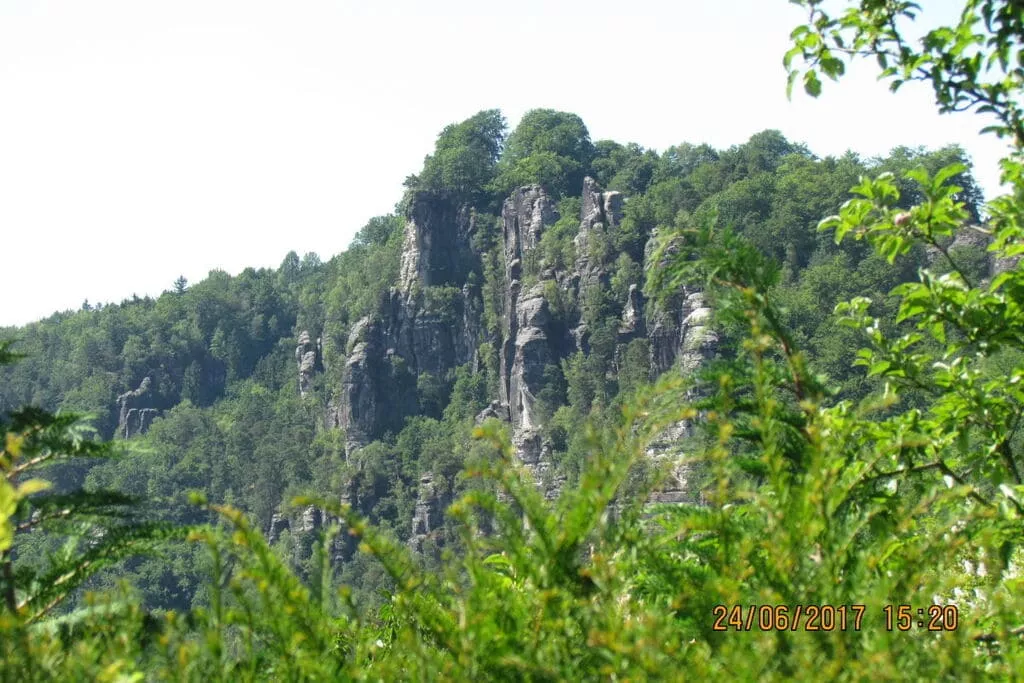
(308, 358)
(135, 411)
(526, 346)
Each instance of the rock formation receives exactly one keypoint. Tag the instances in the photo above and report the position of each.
(427, 515)
(278, 525)
(632, 323)
(972, 238)
(308, 358)
(359, 411)
(135, 410)
(601, 212)
(527, 344)
(432, 322)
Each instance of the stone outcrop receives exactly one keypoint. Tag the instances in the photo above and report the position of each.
(697, 341)
(600, 212)
(278, 525)
(632, 322)
(362, 404)
(311, 519)
(977, 239)
(525, 215)
(527, 345)
(135, 410)
(436, 246)
(496, 410)
(428, 513)
(429, 324)
(308, 357)
(679, 332)
(432, 323)
(680, 476)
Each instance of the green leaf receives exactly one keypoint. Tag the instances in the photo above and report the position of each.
(790, 79)
(812, 86)
(878, 368)
(948, 172)
(27, 488)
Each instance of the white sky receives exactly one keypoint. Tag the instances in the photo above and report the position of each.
(143, 139)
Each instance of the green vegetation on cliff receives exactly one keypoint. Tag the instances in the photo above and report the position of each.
(439, 454)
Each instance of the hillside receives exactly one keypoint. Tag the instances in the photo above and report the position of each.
(575, 410)
(511, 284)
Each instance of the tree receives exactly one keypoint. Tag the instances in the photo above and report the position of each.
(550, 148)
(378, 230)
(970, 65)
(683, 159)
(902, 159)
(464, 157)
(180, 285)
(99, 530)
(629, 168)
(833, 513)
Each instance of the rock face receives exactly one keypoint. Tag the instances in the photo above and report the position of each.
(600, 212)
(525, 215)
(308, 358)
(528, 344)
(496, 410)
(697, 341)
(278, 525)
(977, 239)
(312, 519)
(435, 249)
(679, 484)
(359, 403)
(679, 332)
(432, 322)
(427, 515)
(632, 324)
(135, 411)
(429, 324)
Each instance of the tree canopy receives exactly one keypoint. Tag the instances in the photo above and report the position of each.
(853, 450)
(548, 147)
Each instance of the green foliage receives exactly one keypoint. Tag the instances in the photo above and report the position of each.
(550, 148)
(820, 474)
(556, 244)
(469, 395)
(464, 158)
(634, 369)
(97, 526)
(358, 279)
(492, 260)
(901, 160)
(431, 393)
(441, 300)
(628, 168)
(973, 64)
(625, 272)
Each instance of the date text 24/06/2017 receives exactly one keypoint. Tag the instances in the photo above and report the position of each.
(830, 617)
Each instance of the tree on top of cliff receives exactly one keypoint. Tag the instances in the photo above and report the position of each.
(902, 159)
(464, 157)
(548, 147)
(626, 168)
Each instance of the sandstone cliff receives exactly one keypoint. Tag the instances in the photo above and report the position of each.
(432, 322)
(135, 410)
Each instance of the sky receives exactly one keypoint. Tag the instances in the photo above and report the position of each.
(141, 140)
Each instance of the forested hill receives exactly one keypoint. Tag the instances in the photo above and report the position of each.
(510, 283)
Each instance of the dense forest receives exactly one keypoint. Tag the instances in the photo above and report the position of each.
(544, 419)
